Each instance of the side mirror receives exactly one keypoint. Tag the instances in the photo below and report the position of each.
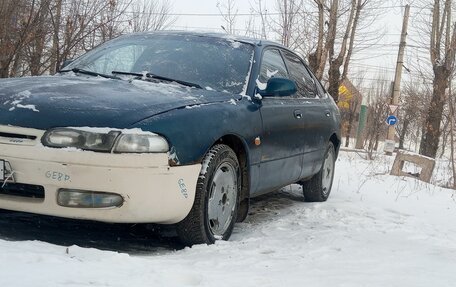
(279, 87)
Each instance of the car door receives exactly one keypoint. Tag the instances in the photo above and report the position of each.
(281, 148)
(314, 115)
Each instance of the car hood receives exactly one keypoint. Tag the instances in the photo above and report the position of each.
(69, 100)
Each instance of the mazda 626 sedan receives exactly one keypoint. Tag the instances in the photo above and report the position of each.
(168, 128)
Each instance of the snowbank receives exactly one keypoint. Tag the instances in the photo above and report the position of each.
(375, 230)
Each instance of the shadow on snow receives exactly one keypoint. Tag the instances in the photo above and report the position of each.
(128, 238)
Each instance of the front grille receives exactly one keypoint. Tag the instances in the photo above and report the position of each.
(17, 136)
(22, 190)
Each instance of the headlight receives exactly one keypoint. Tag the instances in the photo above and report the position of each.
(141, 143)
(102, 140)
(94, 141)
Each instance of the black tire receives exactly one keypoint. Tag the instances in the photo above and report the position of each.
(197, 227)
(315, 189)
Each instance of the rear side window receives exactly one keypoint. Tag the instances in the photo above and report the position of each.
(320, 89)
(272, 65)
(299, 74)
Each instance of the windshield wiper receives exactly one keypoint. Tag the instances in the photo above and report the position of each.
(90, 73)
(160, 78)
(185, 83)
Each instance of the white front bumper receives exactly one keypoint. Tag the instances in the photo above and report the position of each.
(153, 191)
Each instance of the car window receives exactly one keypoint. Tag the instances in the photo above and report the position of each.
(299, 74)
(120, 59)
(272, 65)
(320, 89)
(210, 62)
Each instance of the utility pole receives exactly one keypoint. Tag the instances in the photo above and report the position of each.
(390, 142)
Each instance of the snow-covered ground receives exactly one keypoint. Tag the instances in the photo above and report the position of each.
(375, 230)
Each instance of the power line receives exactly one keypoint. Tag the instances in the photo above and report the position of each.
(371, 67)
(370, 79)
(256, 14)
(219, 14)
(361, 45)
(371, 57)
(393, 45)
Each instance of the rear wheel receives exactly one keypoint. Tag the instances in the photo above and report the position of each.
(318, 188)
(213, 214)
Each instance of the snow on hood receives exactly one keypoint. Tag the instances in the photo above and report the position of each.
(53, 101)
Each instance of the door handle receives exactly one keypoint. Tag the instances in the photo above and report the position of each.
(297, 114)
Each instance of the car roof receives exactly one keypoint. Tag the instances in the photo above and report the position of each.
(249, 40)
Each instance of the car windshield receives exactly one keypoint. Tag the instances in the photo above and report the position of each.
(212, 63)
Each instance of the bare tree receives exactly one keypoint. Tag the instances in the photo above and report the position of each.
(338, 25)
(446, 130)
(379, 94)
(79, 25)
(37, 36)
(254, 29)
(262, 12)
(20, 22)
(342, 59)
(452, 139)
(442, 56)
(112, 24)
(317, 59)
(228, 11)
(291, 23)
(287, 23)
(414, 102)
(56, 18)
(150, 16)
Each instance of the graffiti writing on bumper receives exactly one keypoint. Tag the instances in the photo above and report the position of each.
(58, 176)
(183, 188)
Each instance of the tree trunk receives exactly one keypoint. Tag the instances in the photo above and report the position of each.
(403, 132)
(334, 79)
(317, 59)
(452, 158)
(38, 49)
(15, 66)
(349, 128)
(4, 70)
(55, 59)
(354, 103)
(35, 61)
(445, 135)
(377, 139)
(334, 75)
(335, 63)
(431, 135)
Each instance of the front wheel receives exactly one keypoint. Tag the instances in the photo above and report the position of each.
(318, 188)
(213, 214)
